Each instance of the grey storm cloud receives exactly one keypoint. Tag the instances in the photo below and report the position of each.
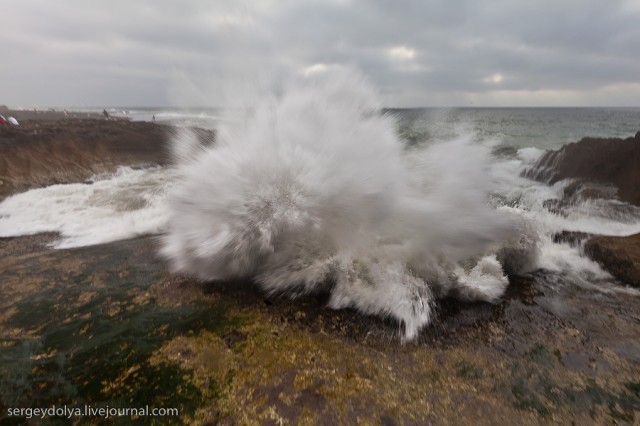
(418, 53)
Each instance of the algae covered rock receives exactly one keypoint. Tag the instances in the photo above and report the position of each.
(107, 325)
(618, 255)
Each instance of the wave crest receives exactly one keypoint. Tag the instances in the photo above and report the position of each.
(315, 192)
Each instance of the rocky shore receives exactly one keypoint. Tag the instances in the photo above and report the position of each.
(598, 161)
(46, 115)
(108, 325)
(45, 152)
(600, 168)
(619, 255)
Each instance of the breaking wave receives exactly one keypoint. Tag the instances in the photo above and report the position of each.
(315, 192)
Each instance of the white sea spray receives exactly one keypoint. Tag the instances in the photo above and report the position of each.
(113, 207)
(316, 193)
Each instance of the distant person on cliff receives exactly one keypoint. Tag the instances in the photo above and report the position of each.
(106, 114)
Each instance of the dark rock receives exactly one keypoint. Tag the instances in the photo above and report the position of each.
(573, 238)
(618, 255)
(42, 152)
(104, 324)
(579, 190)
(603, 161)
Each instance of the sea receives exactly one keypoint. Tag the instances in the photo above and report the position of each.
(323, 185)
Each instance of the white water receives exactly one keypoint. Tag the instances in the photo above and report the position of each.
(315, 192)
(526, 198)
(114, 207)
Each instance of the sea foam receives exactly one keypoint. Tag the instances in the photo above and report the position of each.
(117, 206)
(315, 192)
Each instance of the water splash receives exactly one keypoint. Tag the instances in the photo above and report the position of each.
(315, 192)
(115, 206)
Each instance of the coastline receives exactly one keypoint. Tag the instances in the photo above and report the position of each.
(102, 323)
(42, 152)
(600, 168)
(109, 321)
(47, 115)
(49, 148)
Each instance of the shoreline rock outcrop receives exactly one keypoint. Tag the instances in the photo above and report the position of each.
(45, 152)
(101, 324)
(603, 168)
(618, 255)
(611, 161)
(108, 323)
(42, 153)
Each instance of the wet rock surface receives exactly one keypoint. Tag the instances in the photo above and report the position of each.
(45, 152)
(618, 255)
(604, 161)
(573, 238)
(41, 153)
(602, 170)
(108, 325)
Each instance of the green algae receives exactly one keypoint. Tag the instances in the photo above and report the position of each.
(525, 399)
(467, 370)
(621, 405)
(96, 350)
(541, 355)
(107, 325)
(76, 362)
(537, 390)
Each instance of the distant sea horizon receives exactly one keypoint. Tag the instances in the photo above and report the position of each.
(543, 127)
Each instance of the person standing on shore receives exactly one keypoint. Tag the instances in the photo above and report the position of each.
(106, 114)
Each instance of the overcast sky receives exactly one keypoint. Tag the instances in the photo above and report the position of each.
(418, 53)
